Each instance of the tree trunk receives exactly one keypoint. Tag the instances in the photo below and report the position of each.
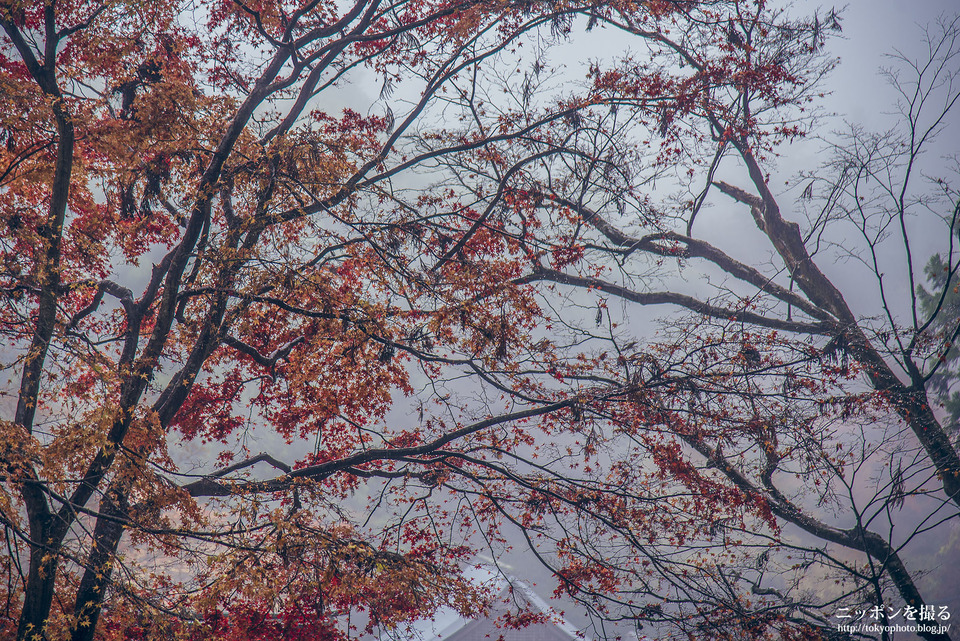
(41, 580)
(107, 533)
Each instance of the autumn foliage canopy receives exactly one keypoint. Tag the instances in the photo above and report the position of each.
(304, 304)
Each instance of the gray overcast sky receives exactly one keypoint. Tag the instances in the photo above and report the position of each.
(872, 28)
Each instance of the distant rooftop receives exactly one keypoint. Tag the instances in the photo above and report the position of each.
(511, 595)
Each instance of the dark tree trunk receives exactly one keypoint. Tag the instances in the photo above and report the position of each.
(107, 533)
(41, 580)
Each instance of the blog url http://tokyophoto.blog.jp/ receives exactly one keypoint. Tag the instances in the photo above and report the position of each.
(927, 618)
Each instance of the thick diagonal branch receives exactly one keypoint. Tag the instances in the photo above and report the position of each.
(909, 401)
(681, 300)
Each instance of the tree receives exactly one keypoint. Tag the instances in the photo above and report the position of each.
(372, 292)
(788, 428)
(289, 288)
